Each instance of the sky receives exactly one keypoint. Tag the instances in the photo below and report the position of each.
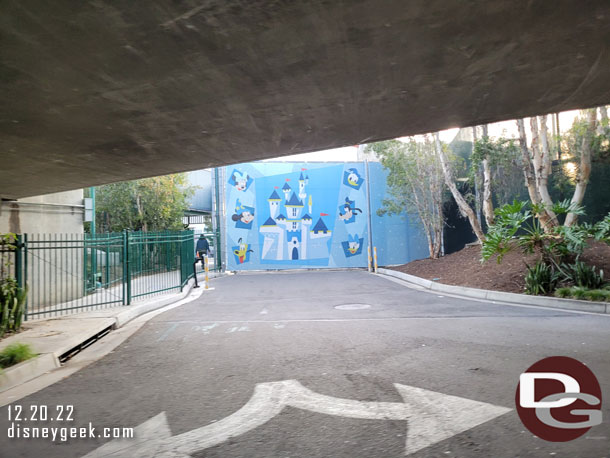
(498, 129)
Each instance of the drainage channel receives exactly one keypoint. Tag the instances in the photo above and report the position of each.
(80, 347)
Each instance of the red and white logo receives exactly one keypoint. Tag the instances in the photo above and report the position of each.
(559, 399)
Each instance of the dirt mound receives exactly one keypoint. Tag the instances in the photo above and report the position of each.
(464, 268)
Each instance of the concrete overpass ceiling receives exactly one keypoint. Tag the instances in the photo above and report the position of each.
(98, 91)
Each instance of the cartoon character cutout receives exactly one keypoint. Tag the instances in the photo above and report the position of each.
(241, 252)
(353, 245)
(243, 216)
(241, 181)
(348, 211)
(352, 178)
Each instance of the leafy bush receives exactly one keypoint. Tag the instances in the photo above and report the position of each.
(541, 279)
(12, 297)
(12, 305)
(563, 292)
(578, 292)
(602, 229)
(596, 295)
(519, 222)
(15, 353)
(581, 274)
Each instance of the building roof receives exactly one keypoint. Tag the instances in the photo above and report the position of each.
(286, 187)
(270, 222)
(280, 217)
(306, 216)
(274, 196)
(294, 201)
(301, 177)
(320, 226)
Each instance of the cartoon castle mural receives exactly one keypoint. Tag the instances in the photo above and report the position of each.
(289, 236)
(287, 215)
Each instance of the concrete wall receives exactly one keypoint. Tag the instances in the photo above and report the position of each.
(54, 223)
(61, 212)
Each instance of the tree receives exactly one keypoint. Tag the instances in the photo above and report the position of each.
(149, 204)
(537, 166)
(465, 210)
(415, 185)
(496, 161)
(584, 170)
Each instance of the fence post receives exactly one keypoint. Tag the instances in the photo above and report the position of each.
(18, 261)
(126, 270)
(25, 275)
(181, 263)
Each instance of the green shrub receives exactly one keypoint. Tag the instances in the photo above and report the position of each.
(595, 295)
(564, 292)
(602, 229)
(581, 274)
(15, 353)
(520, 221)
(578, 292)
(540, 279)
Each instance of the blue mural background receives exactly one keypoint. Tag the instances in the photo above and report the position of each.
(286, 215)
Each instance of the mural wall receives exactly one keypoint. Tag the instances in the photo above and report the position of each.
(283, 215)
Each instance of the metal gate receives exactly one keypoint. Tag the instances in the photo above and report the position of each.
(67, 273)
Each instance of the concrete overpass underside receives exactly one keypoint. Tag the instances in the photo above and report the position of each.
(99, 91)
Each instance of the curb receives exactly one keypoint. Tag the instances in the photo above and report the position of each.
(514, 298)
(46, 362)
(28, 370)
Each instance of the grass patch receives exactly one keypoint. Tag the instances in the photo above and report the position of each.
(564, 292)
(578, 292)
(15, 354)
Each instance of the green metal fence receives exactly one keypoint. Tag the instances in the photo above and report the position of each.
(66, 273)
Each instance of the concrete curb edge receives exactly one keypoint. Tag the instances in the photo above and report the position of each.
(514, 298)
(28, 370)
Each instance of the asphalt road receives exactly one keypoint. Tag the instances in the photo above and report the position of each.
(200, 363)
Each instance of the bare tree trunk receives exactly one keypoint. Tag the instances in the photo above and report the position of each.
(528, 172)
(488, 207)
(585, 166)
(478, 182)
(465, 209)
(603, 127)
(141, 213)
(543, 168)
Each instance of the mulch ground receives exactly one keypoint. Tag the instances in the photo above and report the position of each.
(464, 268)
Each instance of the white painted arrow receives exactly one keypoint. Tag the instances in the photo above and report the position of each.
(431, 416)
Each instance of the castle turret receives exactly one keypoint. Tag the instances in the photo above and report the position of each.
(286, 190)
(274, 204)
(302, 193)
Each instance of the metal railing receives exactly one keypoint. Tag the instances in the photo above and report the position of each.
(66, 273)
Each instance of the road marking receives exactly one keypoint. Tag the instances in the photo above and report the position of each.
(167, 332)
(264, 311)
(205, 329)
(431, 417)
(238, 329)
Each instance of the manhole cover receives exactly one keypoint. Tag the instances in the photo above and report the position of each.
(353, 306)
